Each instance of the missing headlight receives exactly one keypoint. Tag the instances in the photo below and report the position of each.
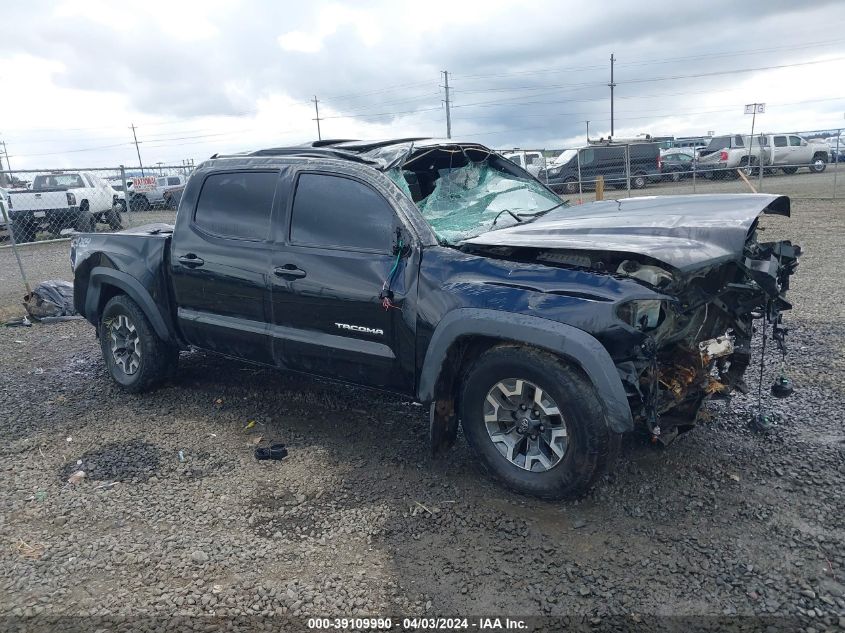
(641, 314)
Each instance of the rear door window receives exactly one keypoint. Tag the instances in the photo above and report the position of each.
(237, 204)
(338, 212)
(780, 141)
(720, 142)
(173, 181)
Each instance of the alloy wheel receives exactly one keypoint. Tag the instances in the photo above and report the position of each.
(125, 344)
(525, 425)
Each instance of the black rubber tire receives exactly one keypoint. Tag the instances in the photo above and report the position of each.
(140, 203)
(789, 170)
(114, 220)
(85, 222)
(158, 359)
(820, 166)
(750, 169)
(570, 186)
(639, 181)
(593, 446)
(24, 232)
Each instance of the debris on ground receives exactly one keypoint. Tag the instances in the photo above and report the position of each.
(76, 477)
(52, 300)
(274, 451)
(19, 322)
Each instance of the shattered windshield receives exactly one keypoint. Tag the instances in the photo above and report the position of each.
(462, 194)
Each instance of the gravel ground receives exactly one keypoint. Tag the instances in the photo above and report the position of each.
(360, 520)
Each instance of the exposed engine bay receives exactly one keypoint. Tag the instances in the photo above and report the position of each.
(694, 341)
(706, 277)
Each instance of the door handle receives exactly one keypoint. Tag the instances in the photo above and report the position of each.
(190, 260)
(289, 271)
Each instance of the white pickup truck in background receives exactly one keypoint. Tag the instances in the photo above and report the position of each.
(530, 161)
(58, 201)
(790, 152)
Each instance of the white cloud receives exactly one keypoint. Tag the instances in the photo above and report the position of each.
(198, 78)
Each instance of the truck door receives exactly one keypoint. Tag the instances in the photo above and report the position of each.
(780, 150)
(219, 263)
(799, 154)
(336, 260)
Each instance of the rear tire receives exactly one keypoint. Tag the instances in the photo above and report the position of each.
(547, 455)
(24, 231)
(114, 220)
(570, 186)
(85, 222)
(638, 181)
(136, 358)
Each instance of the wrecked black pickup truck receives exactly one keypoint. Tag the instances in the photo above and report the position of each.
(444, 272)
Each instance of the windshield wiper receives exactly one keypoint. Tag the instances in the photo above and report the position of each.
(509, 212)
(537, 214)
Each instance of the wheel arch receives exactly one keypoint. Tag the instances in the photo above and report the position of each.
(465, 333)
(104, 283)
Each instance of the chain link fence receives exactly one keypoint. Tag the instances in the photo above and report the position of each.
(44, 204)
(802, 165)
(40, 209)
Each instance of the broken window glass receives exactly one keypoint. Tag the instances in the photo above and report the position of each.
(467, 200)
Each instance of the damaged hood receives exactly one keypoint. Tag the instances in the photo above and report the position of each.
(685, 232)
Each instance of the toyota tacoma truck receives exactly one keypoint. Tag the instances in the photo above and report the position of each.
(63, 200)
(443, 272)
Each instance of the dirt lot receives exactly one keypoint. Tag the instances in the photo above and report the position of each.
(360, 520)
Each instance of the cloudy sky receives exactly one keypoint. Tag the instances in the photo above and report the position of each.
(232, 75)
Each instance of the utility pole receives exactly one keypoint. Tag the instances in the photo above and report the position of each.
(317, 110)
(159, 164)
(448, 103)
(612, 86)
(588, 131)
(140, 162)
(5, 177)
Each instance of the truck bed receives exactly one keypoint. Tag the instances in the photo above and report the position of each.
(141, 253)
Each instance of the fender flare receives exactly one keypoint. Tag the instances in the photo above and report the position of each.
(559, 338)
(101, 275)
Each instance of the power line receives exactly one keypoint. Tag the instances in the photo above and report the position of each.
(661, 60)
(733, 72)
(377, 114)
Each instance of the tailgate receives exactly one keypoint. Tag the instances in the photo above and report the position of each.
(38, 200)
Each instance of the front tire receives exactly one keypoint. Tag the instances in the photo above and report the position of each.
(85, 222)
(535, 423)
(570, 186)
(136, 358)
(819, 164)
